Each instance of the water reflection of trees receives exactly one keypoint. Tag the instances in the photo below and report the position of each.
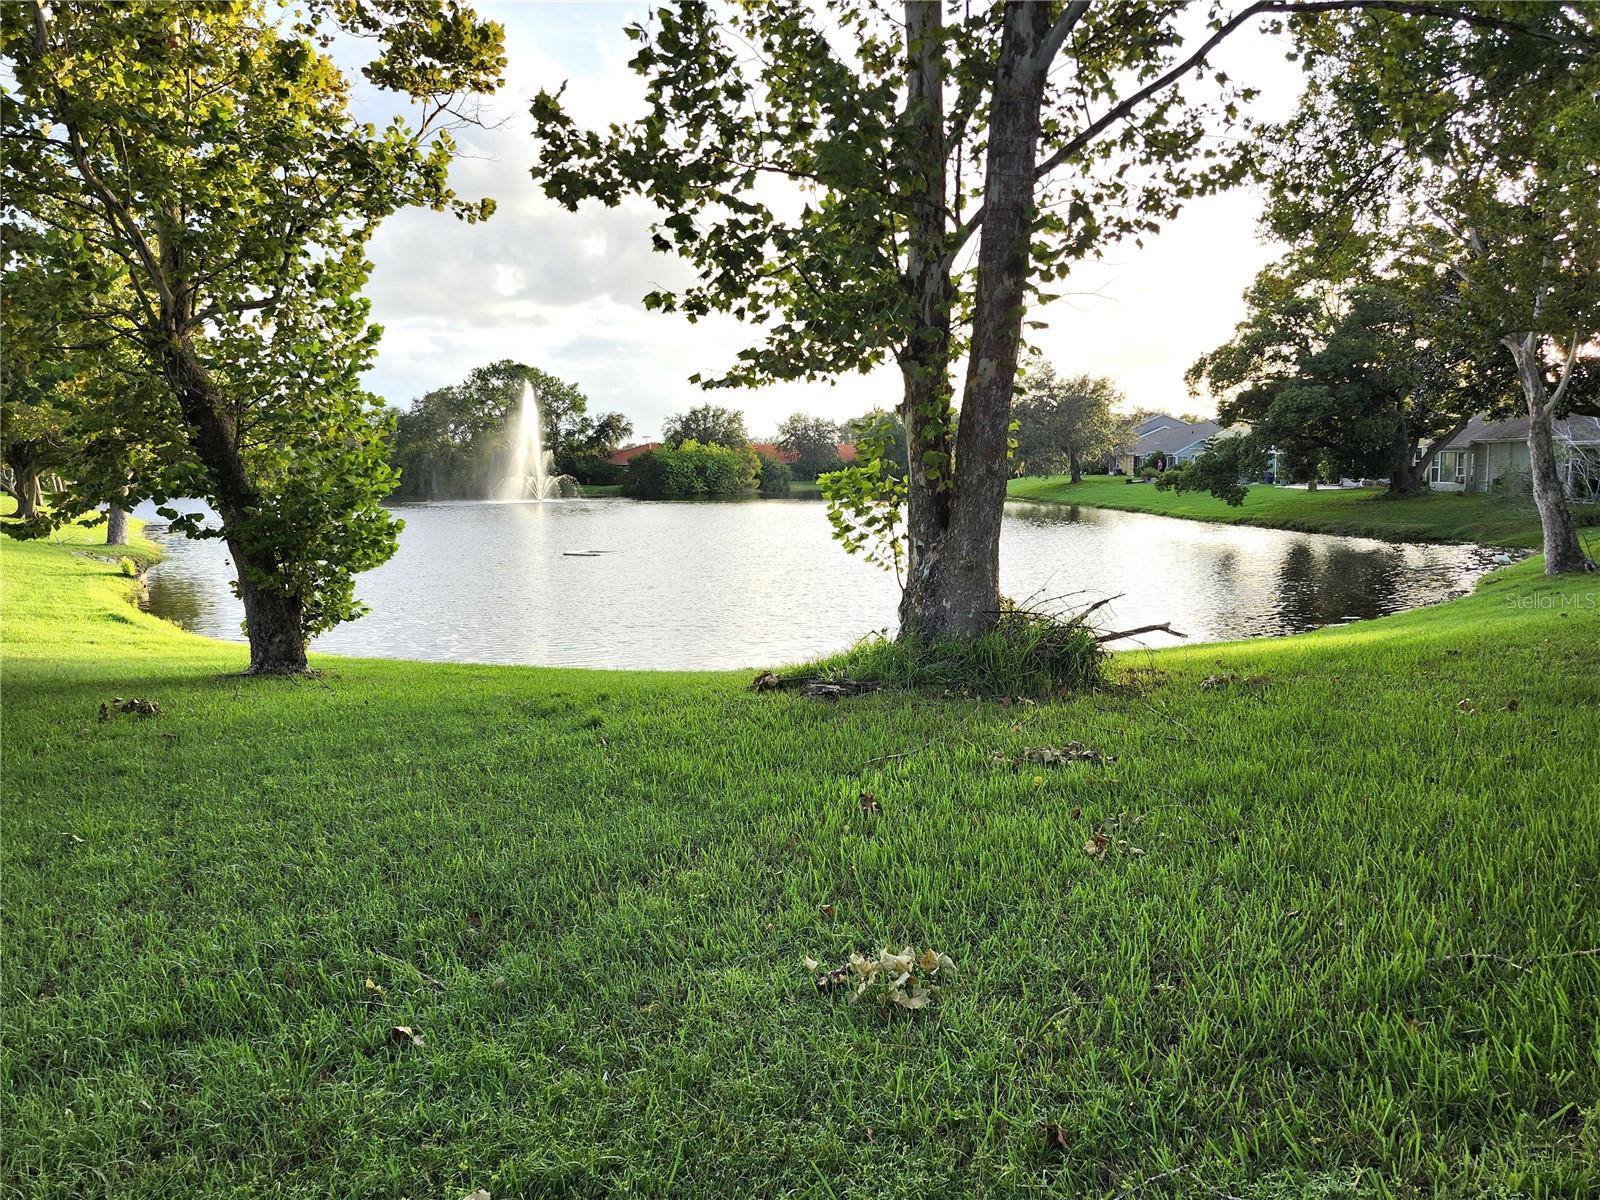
(184, 601)
(1341, 583)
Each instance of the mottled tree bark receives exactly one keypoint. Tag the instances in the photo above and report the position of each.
(925, 359)
(1563, 553)
(116, 525)
(968, 600)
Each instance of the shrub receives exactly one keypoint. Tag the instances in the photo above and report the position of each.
(691, 471)
(129, 567)
(774, 476)
(1025, 654)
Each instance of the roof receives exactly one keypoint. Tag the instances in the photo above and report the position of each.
(845, 450)
(1582, 430)
(773, 450)
(1153, 422)
(621, 457)
(1170, 439)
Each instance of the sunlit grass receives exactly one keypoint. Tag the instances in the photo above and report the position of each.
(592, 892)
(1362, 512)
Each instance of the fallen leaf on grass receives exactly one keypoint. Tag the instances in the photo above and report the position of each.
(906, 980)
(1466, 706)
(73, 838)
(870, 805)
(134, 707)
(1072, 752)
(1097, 846)
(827, 911)
(499, 983)
(404, 1035)
(1212, 683)
(373, 989)
(480, 1194)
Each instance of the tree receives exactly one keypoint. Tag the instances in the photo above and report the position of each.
(1470, 151)
(1063, 423)
(1343, 379)
(1084, 136)
(708, 424)
(451, 444)
(813, 440)
(584, 449)
(89, 414)
(885, 425)
(194, 184)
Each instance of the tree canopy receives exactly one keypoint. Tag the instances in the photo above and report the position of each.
(1065, 422)
(815, 442)
(1466, 148)
(451, 444)
(707, 424)
(191, 182)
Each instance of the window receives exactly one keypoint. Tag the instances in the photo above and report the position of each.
(1449, 466)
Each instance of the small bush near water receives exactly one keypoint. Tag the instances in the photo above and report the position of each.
(691, 471)
(1025, 654)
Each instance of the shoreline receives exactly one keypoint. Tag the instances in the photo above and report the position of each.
(1440, 518)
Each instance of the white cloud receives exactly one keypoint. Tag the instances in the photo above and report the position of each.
(564, 290)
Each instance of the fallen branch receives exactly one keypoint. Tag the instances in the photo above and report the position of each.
(1164, 627)
(1472, 956)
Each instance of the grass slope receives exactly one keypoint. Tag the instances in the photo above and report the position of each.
(1359, 512)
(591, 893)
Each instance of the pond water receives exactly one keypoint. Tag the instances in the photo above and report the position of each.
(760, 583)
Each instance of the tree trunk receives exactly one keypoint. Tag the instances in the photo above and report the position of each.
(116, 526)
(1074, 466)
(1405, 473)
(1408, 478)
(274, 620)
(29, 497)
(969, 602)
(925, 360)
(1563, 553)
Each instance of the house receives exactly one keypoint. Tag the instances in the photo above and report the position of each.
(1163, 442)
(845, 450)
(621, 458)
(1493, 455)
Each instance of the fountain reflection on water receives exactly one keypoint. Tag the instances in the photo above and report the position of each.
(530, 471)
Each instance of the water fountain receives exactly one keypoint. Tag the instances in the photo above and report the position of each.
(529, 476)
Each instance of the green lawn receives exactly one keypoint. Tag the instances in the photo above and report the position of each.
(1363, 512)
(591, 894)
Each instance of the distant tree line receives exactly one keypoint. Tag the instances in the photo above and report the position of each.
(707, 452)
(453, 442)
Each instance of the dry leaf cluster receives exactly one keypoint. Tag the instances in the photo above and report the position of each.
(134, 707)
(1072, 752)
(906, 980)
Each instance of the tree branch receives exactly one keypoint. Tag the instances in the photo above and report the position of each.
(120, 216)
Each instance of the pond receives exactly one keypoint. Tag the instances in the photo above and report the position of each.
(760, 583)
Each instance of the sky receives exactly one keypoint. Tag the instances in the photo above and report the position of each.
(563, 291)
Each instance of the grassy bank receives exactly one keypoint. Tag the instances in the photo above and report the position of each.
(1358, 512)
(1343, 964)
